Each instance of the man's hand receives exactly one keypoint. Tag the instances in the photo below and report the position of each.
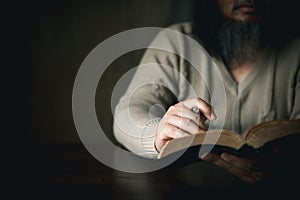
(180, 121)
(246, 169)
(252, 170)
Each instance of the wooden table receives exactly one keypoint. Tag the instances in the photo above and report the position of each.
(70, 172)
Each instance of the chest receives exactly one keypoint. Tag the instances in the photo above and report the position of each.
(241, 72)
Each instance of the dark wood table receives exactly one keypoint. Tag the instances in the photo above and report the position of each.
(71, 172)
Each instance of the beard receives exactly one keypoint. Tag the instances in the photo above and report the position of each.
(235, 42)
(238, 42)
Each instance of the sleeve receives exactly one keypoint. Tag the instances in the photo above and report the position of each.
(296, 103)
(153, 88)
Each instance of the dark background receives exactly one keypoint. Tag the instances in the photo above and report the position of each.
(57, 36)
(44, 44)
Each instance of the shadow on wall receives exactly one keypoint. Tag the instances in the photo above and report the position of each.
(63, 33)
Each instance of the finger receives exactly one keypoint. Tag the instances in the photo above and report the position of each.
(252, 178)
(239, 162)
(217, 160)
(186, 124)
(170, 132)
(182, 111)
(245, 175)
(201, 119)
(204, 107)
(167, 133)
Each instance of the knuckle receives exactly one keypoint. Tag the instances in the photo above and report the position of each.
(178, 104)
(175, 129)
(186, 122)
(168, 127)
(169, 131)
(232, 170)
(219, 163)
(172, 108)
(178, 134)
(205, 106)
(171, 128)
(198, 99)
(197, 118)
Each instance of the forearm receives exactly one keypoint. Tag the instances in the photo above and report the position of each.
(138, 139)
(137, 116)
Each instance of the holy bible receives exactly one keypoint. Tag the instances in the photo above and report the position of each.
(250, 143)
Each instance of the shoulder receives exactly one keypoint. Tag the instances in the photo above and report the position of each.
(177, 36)
(290, 53)
(184, 27)
(288, 58)
(294, 44)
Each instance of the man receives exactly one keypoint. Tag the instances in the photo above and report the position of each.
(258, 64)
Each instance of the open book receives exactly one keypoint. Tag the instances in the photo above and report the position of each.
(253, 140)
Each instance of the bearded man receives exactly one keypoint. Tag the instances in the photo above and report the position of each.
(259, 64)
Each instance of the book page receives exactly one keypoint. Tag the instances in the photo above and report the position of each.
(268, 131)
(226, 138)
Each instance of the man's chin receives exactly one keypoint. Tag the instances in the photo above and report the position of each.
(238, 40)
